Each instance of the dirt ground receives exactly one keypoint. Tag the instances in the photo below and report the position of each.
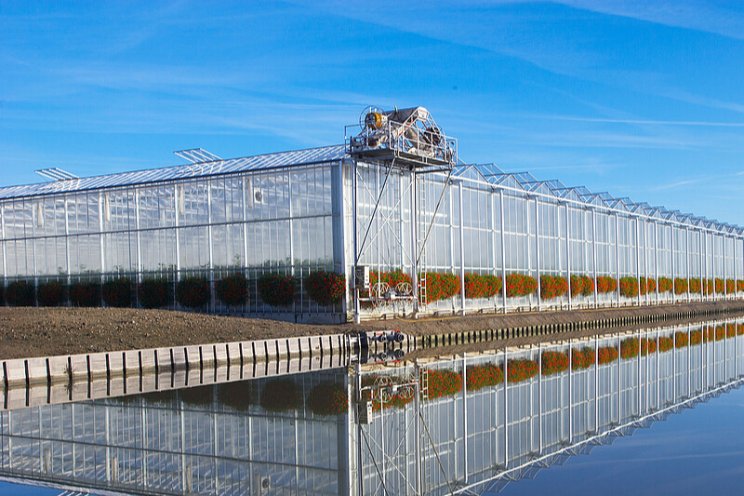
(28, 332)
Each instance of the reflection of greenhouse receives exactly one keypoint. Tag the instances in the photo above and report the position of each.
(232, 439)
(296, 213)
(481, 439)
(205, 440)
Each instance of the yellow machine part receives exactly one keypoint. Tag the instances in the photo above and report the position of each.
(374, 120)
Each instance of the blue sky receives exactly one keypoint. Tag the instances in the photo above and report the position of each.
(641, 99)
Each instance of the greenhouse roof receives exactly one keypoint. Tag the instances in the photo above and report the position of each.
(213, 165)
(208, 168)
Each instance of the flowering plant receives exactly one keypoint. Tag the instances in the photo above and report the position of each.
(629, 348)
(482, 286)
(20, 294)
(154, 293)
(554, 362)
(232, 289)
(85, 294)
(719, 285)
(521, 369)
(117, 292)
(739, 285)
(582, 358)
(665, 344)
(730, 330)
(581, 285)
(392, 278)
(629, 287)
(665, 284)
(607, 354)
(730, 286)
(694, 286)
(440, 286)
(648, 346)
(277, 289)
(520, 285)
(681, 340)
(606, 284)
(481, 376)
(444, 383)
(280, 395)
(552, 286)
(648, 285)
(328, 398)
(50, 293)
(193, 291)
(325, 288)
(680, 286)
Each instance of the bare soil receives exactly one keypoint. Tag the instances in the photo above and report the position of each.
(29, 332)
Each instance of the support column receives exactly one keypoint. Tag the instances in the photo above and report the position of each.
(568, 253)
(68, 268)
(506, 410)
(656, 259)
(703, 295)
(594, 255)
(617, 258)
(673, 251)
(492, 196)
(503, 251)
(638, 260)
(687, 261)
(414, 243)
(462, 251)
(5, 248)
(464, 416)
(537, 251)
(103, 209)
(210, 245)
(355, 239)
(138, 234)
(177, 223)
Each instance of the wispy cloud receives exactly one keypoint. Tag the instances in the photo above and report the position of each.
(721, 18)
(653, 122)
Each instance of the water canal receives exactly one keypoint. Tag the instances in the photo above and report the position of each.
(645, 411)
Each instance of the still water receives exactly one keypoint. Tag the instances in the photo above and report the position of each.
(649, 411)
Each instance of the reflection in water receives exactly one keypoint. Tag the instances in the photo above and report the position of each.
(466, 424)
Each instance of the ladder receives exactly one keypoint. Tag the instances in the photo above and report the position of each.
(424, 383)
(421, 228)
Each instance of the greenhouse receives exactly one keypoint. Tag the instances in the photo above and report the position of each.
(391, 222)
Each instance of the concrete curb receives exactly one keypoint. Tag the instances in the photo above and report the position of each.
(90, 366)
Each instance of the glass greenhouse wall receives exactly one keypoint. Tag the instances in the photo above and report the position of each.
(556, 247)
(295, 214)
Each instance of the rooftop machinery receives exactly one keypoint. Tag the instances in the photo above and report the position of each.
(406, 143)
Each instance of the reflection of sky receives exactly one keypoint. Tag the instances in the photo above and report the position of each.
(697, 451)
(17, 490)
